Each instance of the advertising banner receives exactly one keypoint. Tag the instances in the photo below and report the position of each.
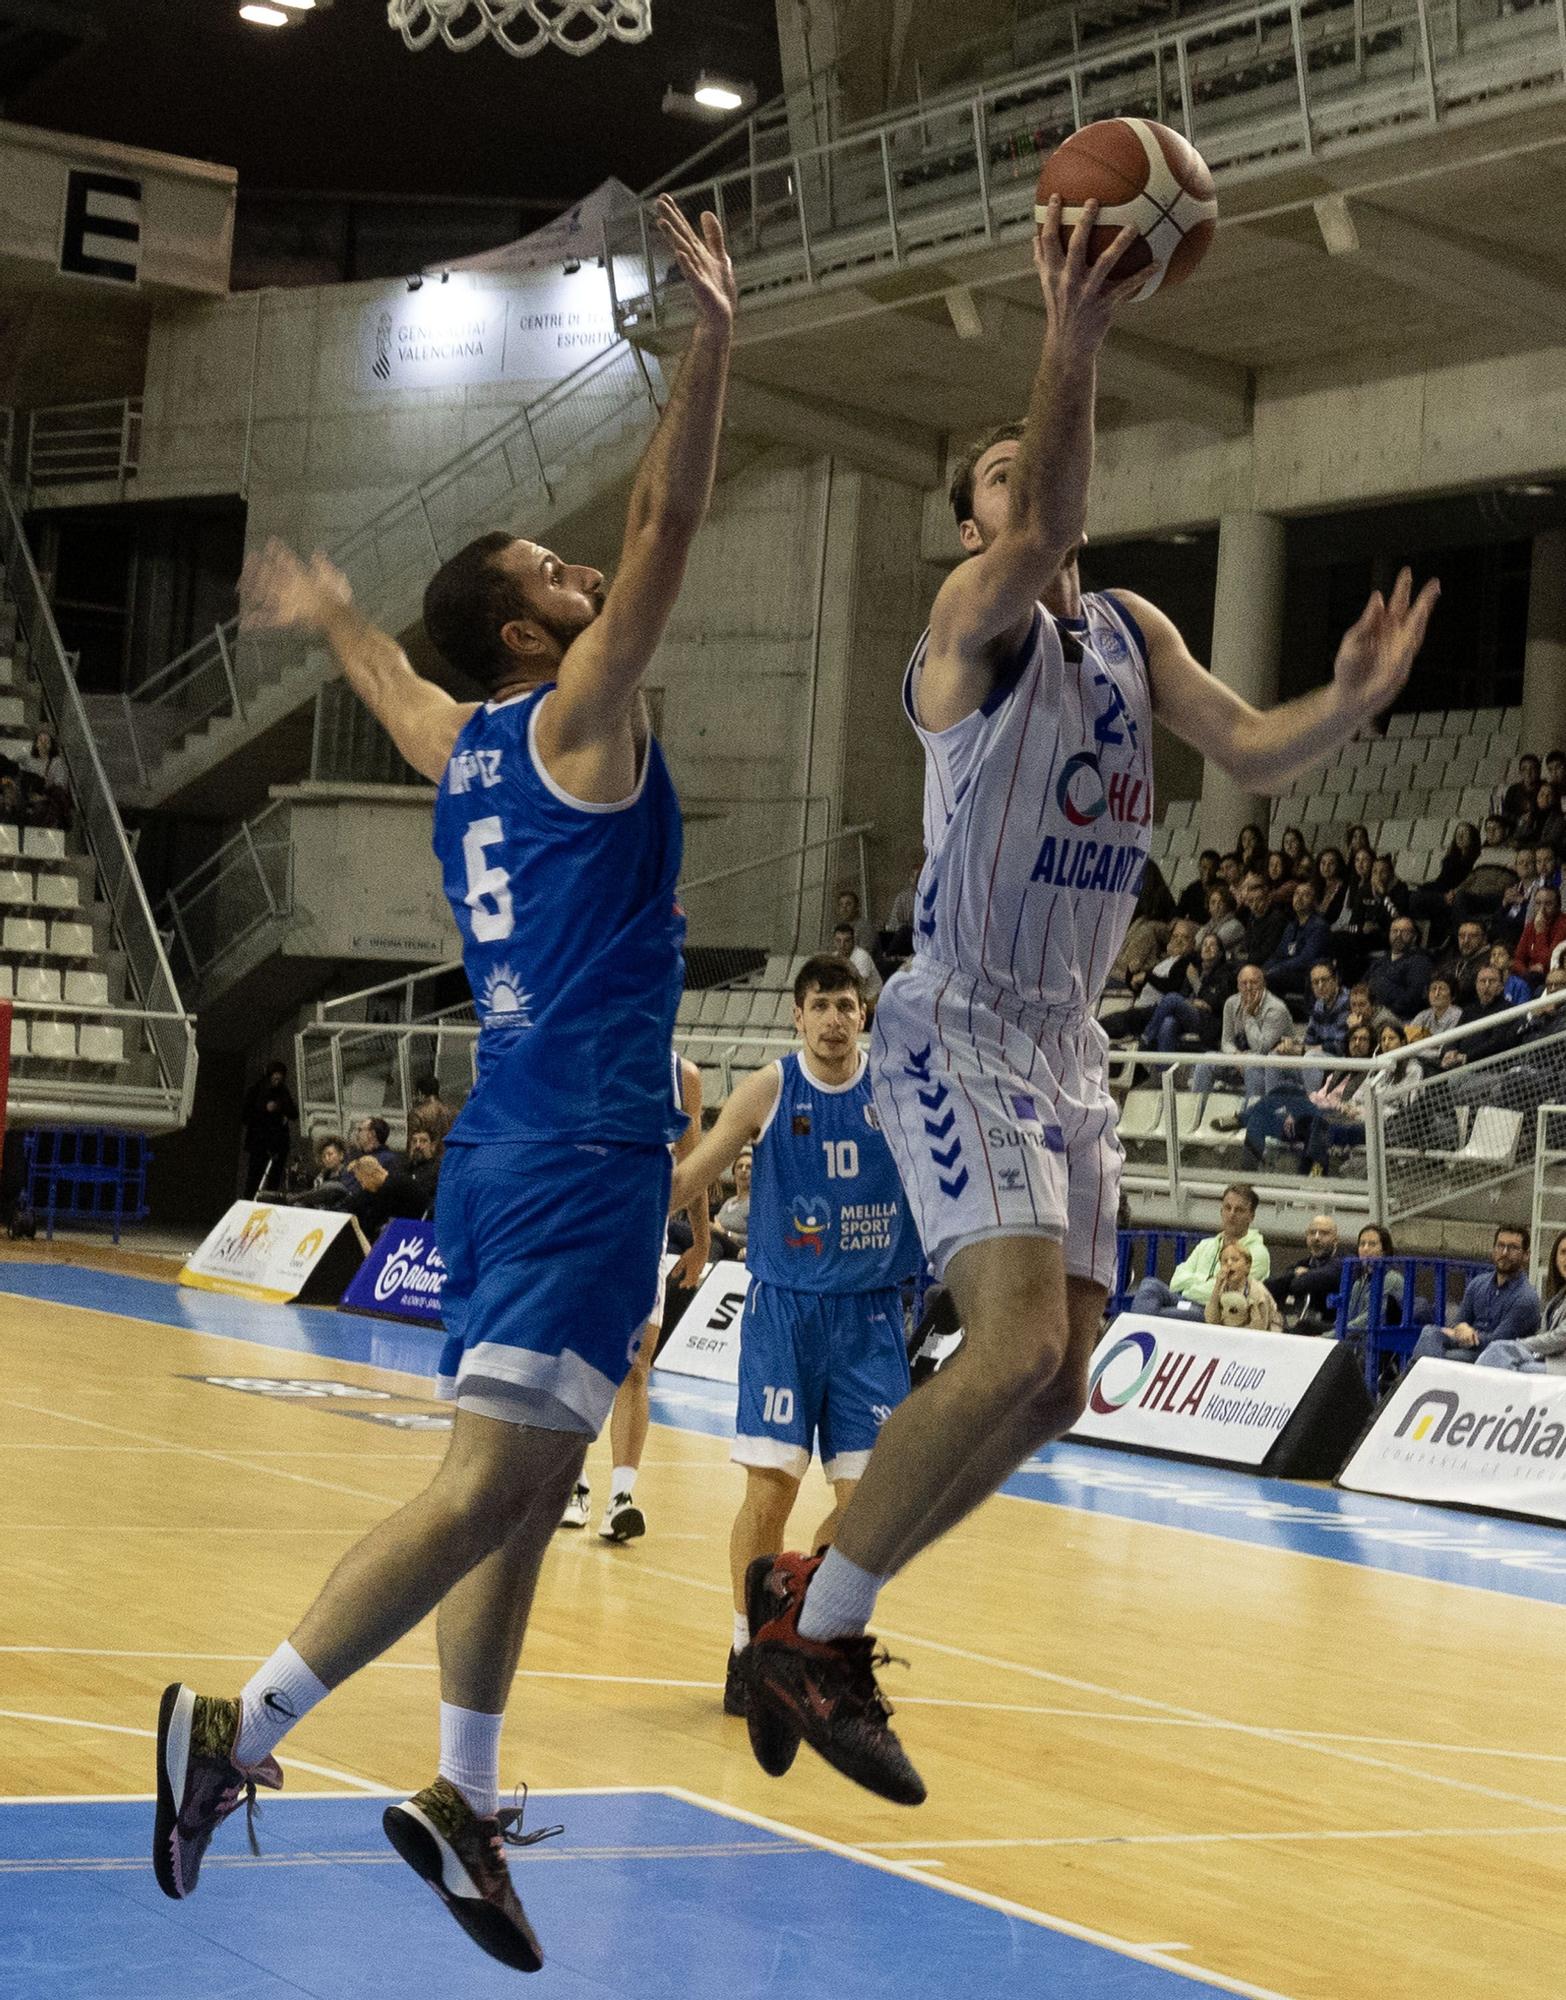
(1469, 1437)
(1212, 1392)
(279, 1254)
(402, 1277)
(707, 1340)
(434, 338)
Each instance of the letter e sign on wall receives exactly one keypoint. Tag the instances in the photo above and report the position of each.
(101, 233)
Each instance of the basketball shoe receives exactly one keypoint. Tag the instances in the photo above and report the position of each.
(199, 1784)
(463, 1858)
(623, 1522)
(578, 1507)
(734, 1685)
(822, 1690)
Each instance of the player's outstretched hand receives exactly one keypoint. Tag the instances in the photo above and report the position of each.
(704, 261)
(279, 593)
(688, 1270)
(1379, 649)
(1080, 296)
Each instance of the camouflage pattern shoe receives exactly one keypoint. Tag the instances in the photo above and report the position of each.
(199, 1784)
(463, 1858)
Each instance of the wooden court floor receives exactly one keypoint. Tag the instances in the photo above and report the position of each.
(1305, 1777)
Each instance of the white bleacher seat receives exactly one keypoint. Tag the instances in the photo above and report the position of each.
(16, 885)
(783, 1011)
(710, 1006)
(1395, 833)
(38, 983)
(1430, 722)
(1492, 1138)
(7, 982)
(1179, 812)
(25, 934)
(13, 715)
(736, 1009)
(55, 1039)
(87, 989)
(1457, 722)
(102, 1044)
(43, 843)
(53, 891)
(775, 972)
(1402, 725)
(18, 1036)
(711, 1083)
(1220, 1104)
(1142, 1114)
(10, 841)
(66, 940)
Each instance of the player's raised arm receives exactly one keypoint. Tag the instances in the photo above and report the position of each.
(601, 672)
(278, 592)
(745, 1111)
(1264, 749)
(985, 605)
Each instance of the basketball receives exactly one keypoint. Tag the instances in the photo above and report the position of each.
(1143, 174)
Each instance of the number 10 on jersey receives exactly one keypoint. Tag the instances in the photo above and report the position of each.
(842, 1159)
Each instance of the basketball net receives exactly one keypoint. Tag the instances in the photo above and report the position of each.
(522, 27)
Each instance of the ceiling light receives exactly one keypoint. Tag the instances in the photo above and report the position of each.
(718, 95)
(1530, 489)
(710, 97)
(264, 17)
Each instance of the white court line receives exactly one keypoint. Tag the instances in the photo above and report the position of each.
(1219, 1839)
(201, 1451)
(257, 1451)
(146, 1528)
(1147, 1954)
(125, 1729)
(380, 1791)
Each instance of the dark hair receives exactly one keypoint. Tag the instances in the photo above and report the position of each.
(427, 1085)
(1246, 1193)
(960, 491)
(1383, 1232)
(1252, 841)
(1513, 1229)
(1552, 1278)
(466, 602)
(1552, 755)
(1221, 889)
(1292, 833)
(1532, 757)
(1338, 856)
(379, 1127)
(1209, 854)
(828, 974)
(838, 930)
(1276, 859)
(331, 1139)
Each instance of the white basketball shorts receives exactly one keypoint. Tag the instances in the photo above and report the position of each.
(999, 1117)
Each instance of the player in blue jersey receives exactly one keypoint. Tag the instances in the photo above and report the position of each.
(558, 835)
(822, 1356)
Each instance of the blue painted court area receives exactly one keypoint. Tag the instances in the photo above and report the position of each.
(646, 1897)
(1443, 1545)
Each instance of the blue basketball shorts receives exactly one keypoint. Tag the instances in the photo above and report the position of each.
(823, 1368)
(552, 1252)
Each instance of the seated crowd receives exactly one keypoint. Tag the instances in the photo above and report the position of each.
(1332, 956)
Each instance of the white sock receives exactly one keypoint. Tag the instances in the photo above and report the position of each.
(741, 1631)
(272, 1702)
(470, 1756)
(623, 1484)
(840, 1599)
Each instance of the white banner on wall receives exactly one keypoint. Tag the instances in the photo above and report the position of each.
(277, 1254)
(707, 1340)
(537, 328)
(1478, 1437)
(1199, 1391)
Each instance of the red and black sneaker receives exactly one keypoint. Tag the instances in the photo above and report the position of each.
(822, 1690)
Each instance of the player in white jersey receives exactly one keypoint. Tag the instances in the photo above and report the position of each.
(1035, 706)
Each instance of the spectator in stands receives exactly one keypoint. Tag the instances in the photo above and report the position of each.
(1509, 917)
(1546, 1349)
(1223, 921)
(1143, 945)
(1331, 884)
(1555, 770)
(1365, 922)
(1544, 824)
(1238, 1298)
(405, 1188)
(1331, 1113)
(733, 1213)
(1254, 1022)
(1230, 874)
(429, 1111)
(1497, 1305)
(1393, 1041)
(45, 783)
(1309, 1283)
(1462, 967)
(1441, 1011)
(1364, 1013)
(1358, 837)
(1293, 848)
(1191, 1283)
(1326, 1028)
(1169, 978)
(268, 1111)
(1306, 940)
(1193, 897)
(856, 955)
(330, 1156)
(1519, 794)
(1194, 1017)
(1432, 901)
(1372, 1244)
(370, 1137)
(895, 942)
(1489, 1004)
(1250, 850)
(1399, 980)
(1279, 877)
(1544, 933)
(1515, 989)
(848, 912)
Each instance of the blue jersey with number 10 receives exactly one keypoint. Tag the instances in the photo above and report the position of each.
(827, 1212)
(571, 937)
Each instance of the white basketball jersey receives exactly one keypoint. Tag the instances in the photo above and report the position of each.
(1036, 811)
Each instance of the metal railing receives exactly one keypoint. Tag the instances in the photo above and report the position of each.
(347, 1069)
(246, 887)
(1253, 86)
(525, 457)
(169, 1029)
(1549, 1186)
(74, 443)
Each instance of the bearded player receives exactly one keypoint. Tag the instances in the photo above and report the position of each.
(558, 834)
(1035, 704)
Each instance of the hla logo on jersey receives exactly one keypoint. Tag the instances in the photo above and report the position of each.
(1083, 796)
(1438, 1418)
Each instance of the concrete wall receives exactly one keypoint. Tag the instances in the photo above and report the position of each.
(389, 903)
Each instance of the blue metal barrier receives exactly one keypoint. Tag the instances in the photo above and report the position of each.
(86, 1175)
(1392, 1328)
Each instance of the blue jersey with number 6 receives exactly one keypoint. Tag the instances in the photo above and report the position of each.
(571, 936)
(827, 1212)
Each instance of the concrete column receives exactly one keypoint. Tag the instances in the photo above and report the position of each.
(1544, 662)
(1247, 644)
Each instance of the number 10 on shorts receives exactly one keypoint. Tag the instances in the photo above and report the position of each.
(777, 1406)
